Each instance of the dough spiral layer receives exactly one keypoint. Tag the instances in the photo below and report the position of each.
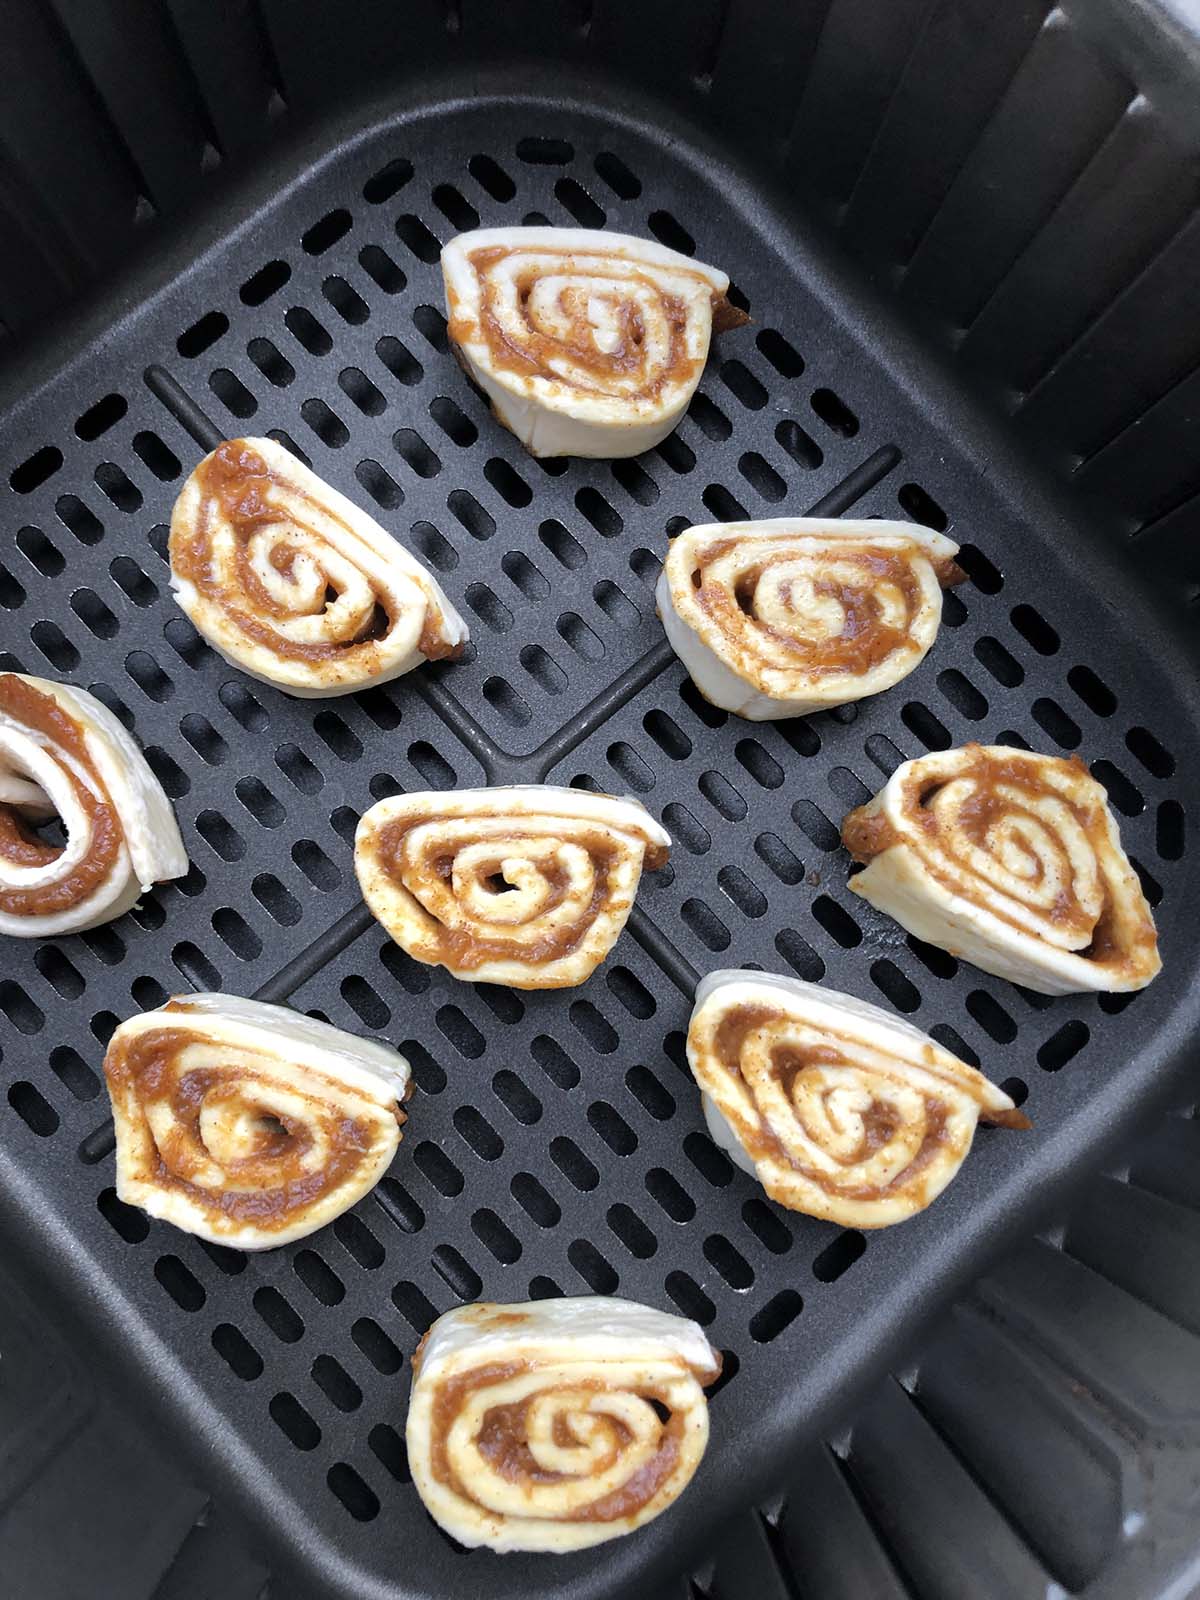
(558, 1424)
(246, 1123)
(1011, 860)
(529, 885)
(64, 755)
(294, 584)
(587, 343)
(781, 617)
(841, 1110)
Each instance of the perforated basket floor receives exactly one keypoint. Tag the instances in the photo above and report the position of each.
(555, 1142)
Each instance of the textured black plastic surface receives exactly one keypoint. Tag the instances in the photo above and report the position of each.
(555, 1140)
(1020, 181)
(1043, 1470)
(1042, 1441)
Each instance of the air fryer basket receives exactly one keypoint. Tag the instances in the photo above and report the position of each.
(555, 1142)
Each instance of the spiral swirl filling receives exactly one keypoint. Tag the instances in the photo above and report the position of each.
(497, 889)
(596, 322)
(846, 1116)
(255, 552)
(219, 1127)
(1030, 842)
(67, 784)
(823, 612)
(524, 1440)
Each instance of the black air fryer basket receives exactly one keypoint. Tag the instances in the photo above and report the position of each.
(966, 233)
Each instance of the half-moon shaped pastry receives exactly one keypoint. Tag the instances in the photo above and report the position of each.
(249, 1124)
(586, 343)
(796, 614)
(294, 584)
(528, 886)
(557, 1424)
(63, 754)
(1012, 861)
(840, 1110)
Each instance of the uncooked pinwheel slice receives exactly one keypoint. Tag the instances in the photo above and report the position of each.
(790, 615)
(294, 584)
(586, 343)
(1011, 860)
(841, 1110)
(558, 1424)
(249, 1124)
(64, 755)
(528, 886)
